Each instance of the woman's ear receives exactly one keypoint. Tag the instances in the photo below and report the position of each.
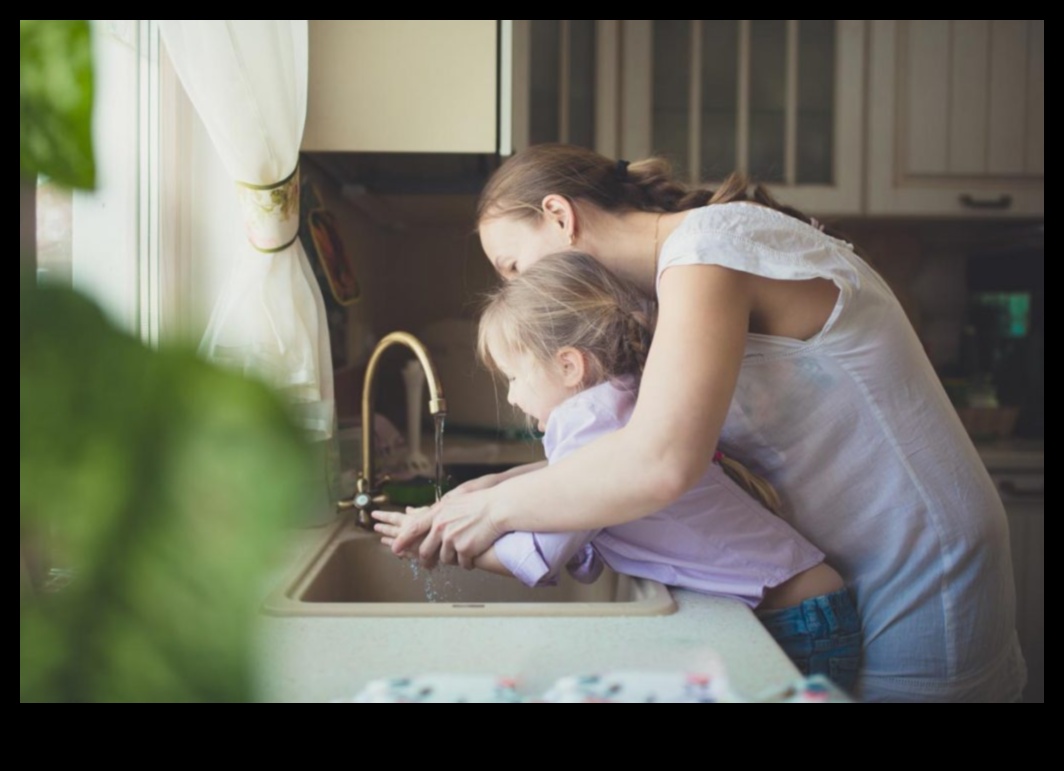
(561, 216)
(573, 367)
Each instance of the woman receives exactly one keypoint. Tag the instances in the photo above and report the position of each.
(775, 340)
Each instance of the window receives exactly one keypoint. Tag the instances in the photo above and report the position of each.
(105, 242)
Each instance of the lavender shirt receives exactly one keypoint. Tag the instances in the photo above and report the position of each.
(715, 539)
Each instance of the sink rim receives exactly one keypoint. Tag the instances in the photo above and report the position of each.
(651, 597)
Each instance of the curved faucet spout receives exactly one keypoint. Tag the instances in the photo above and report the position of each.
(368, 494)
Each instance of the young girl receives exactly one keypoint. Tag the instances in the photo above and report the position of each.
(572, 340)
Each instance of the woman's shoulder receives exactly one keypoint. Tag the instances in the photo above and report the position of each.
(743, 219)
(757, 239)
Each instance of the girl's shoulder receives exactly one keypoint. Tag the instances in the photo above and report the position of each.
(582, 418)
(612, 400)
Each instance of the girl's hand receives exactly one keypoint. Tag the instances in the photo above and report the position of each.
(389, 526)
(456, 530)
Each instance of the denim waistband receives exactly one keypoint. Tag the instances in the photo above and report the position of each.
(827, 614)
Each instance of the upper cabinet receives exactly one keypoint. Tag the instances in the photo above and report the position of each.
(957, 115)
(781, 100)
(404, 86)
(558, 80)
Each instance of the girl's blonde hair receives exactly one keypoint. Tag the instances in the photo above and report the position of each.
(568, 300)
(521, 183)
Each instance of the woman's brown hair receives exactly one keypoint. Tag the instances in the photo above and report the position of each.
(521, 183)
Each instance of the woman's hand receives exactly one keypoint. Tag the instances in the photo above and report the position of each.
(456, 530)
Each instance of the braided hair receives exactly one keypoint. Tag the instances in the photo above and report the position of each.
(519, 185)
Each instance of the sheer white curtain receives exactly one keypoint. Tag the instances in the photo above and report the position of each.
(247, 79)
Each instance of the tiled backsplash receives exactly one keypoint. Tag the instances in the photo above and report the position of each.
(926, 264)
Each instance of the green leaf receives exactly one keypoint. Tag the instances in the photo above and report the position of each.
(165, 486)
(55, 101)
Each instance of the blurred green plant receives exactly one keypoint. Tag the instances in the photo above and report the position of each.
(55, 101)
(154, 491)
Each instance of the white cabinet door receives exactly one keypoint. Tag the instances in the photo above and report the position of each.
(566, 83)
(957, 117)
(781, 100)
(399, 86)
(1024, 496)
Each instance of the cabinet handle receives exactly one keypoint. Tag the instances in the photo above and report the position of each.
(1012, 490)
(996, 204)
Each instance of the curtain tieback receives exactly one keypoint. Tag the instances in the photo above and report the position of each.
(271, 213)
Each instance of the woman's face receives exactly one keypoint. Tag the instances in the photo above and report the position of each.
(515, 244)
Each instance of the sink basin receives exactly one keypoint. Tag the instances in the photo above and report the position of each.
(351, 574)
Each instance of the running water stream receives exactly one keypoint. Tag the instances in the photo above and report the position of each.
(437, 585)
(440, 421)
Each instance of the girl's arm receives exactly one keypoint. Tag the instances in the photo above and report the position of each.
(690, 378)
(490, 480)
(539, 557)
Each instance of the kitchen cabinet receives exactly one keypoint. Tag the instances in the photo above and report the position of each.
(557, 76)
(1023, 492)
(567, 83)
(1018, 470)
(956, 117)
(781, 100)
(405, 86)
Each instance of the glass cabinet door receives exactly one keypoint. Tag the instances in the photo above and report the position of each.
(554, 81)
(780, 100)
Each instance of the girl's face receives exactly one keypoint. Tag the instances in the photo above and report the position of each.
(534, 388)
(515, 244)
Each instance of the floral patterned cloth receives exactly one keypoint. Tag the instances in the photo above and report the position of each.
(615, 688)
(271, 213)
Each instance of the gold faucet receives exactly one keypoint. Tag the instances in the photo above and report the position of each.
(368, 491)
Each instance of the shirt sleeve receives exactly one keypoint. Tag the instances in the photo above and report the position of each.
(537, 559)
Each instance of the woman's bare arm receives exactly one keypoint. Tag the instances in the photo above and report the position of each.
(686, 390)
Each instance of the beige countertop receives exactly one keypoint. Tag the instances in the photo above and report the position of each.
(322, 659)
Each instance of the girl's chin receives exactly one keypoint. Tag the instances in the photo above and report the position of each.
(541, 426)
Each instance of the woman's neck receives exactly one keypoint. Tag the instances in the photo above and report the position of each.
(629, 244)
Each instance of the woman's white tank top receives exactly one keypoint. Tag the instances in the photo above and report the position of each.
(874, 466)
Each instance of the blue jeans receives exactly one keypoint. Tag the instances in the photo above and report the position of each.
(822, 636)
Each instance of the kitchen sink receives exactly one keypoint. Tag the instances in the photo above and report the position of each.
(351, 574)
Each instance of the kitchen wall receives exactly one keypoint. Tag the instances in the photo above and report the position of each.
(927, 262)
(27, 225)
(417, 261)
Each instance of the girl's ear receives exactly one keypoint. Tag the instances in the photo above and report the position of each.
(561, 216)
(573, 367)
